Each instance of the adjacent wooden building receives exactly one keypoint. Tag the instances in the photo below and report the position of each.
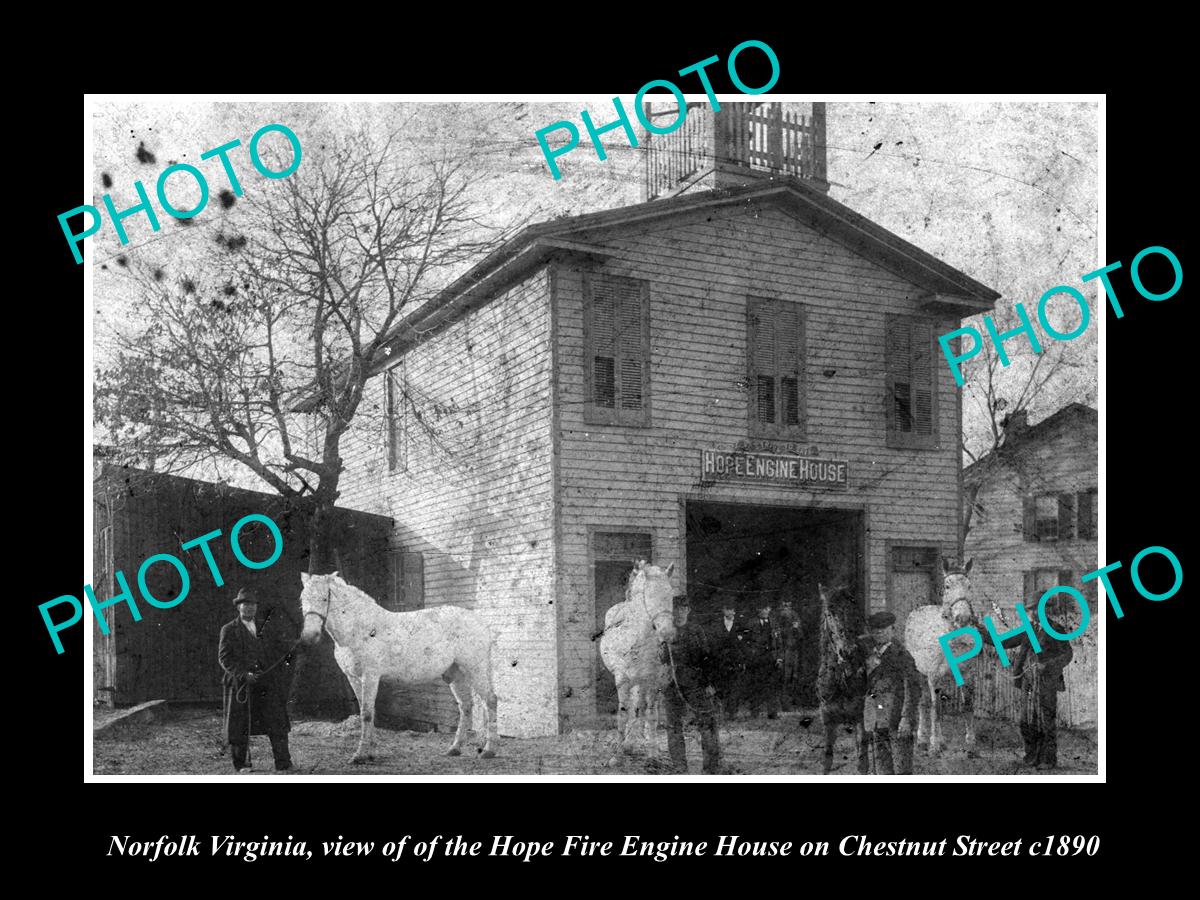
(1034, 526)
(172, 653)
(739, 375)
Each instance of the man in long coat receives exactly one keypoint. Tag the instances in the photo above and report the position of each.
(725, 641)
(256, 656)
(689, 689)
(893, 691)
(764, 663)
(1039, 678)
(789, 627)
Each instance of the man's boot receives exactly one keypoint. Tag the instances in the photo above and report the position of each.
(279, 749)
(883, 752)
(1031, 740)
(710, 746)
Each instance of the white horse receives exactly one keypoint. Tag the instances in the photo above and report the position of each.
(630, 645)
(444, 642)
(921, 632)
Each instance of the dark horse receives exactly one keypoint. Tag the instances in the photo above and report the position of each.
(842, 676)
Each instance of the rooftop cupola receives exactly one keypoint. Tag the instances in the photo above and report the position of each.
(742, 143)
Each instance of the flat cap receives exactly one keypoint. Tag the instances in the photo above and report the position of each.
(880, 620)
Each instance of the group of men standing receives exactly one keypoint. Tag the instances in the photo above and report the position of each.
(757, 662)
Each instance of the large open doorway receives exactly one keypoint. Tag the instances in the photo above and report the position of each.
(745, 555)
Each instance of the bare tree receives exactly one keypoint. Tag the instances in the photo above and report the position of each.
(212, 364)
(998, 395)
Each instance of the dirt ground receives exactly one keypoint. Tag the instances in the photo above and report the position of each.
(190, 743)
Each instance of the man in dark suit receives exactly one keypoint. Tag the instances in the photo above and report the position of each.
(725, 641)
(1039, 677)
(256, 656)
(789, 629)
(764, 663)
(894, 690)
(689, 688)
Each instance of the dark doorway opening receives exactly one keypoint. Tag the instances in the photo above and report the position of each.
(748, 555)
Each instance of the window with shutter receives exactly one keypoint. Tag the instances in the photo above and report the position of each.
(1087, 515)
(617, 339)
(395, 406)
(775, 354)
(910, 402)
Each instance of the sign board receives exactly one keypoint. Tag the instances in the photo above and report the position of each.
(773, 468)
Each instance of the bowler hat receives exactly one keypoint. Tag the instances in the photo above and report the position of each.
(880, 620)
(245, 596)
(680, 600)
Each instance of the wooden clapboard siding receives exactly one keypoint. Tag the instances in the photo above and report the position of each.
(477, 501)
(1059, 454)
(701, 269)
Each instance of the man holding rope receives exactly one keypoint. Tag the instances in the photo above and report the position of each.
(689, 689)
(256, 657)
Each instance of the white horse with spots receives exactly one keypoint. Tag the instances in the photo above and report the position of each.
(630, 645)
(921, 632)
(444, 642)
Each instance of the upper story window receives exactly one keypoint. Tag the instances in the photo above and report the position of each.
(1060, 516)
(395, 406)
(617, 348)
(910, 401)
(775, 355)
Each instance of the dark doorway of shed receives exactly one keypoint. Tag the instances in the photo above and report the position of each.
(750, 555)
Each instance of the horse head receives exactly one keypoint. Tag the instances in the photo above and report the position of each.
(956, 593)
(315, 601)
(649, 591)
(833, 629)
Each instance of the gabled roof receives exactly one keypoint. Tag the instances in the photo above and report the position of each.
(950, 292)
(1073, 415)
(949, 289)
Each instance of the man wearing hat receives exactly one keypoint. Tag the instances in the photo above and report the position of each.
(764, 663)
(256, 657)
(729, 653)
(893, 691)
(789, 627)
(691, 672)
(1039, 677)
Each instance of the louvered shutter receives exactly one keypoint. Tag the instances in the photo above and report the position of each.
(922, 378)
(604, 343)
(762, 317)
(629, 342)
(1066, 517)
(898, 353)
(1029, 518)
(789, 343)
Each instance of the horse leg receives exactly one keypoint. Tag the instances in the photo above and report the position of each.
(370, 689)
(460, 687)
(489, 724)
(637, 711)
(623, 690)
(923, 703)
(935, 725)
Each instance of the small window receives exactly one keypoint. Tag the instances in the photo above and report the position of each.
(407, 581)
(396, 405)
(909, 401)
(1047, 517)
(775, 354)
(617, 347)
(1088, 514)
(1050, 517)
